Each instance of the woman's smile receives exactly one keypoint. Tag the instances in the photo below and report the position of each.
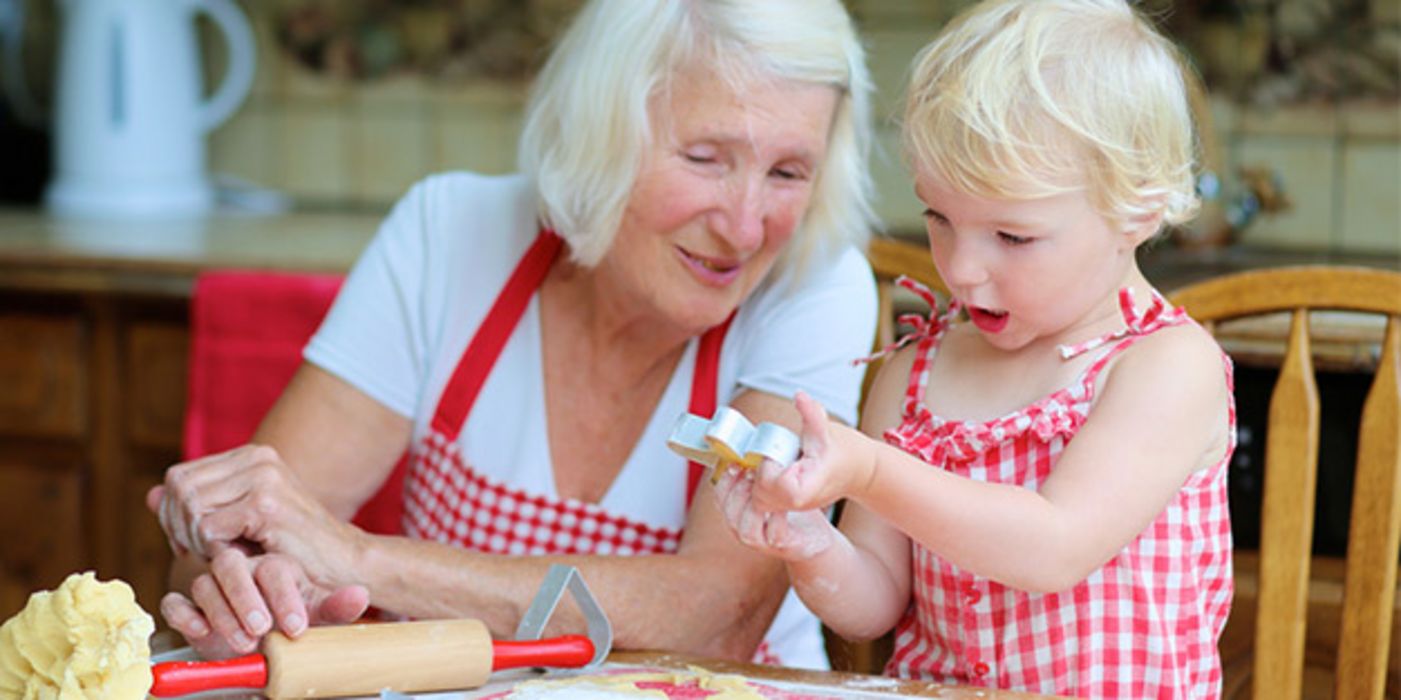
(712, 271)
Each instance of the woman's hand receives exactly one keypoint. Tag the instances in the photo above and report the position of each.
(836, 462)
(242, 598)
(787, 535)
(248, 497)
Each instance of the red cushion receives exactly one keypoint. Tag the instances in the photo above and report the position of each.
(247, 333)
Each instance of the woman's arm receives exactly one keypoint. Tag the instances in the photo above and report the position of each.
(712, 597)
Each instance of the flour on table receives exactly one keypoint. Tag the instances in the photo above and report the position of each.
(630, 686)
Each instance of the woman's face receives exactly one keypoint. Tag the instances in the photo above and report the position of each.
(719, 192)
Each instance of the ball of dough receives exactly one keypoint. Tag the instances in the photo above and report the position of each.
(85, 639)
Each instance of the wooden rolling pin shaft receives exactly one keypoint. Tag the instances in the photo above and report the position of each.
(364, 659)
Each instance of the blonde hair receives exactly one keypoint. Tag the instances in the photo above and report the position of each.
(1019, 99)
(587, 121)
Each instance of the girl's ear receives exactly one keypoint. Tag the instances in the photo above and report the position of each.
(1143, 227)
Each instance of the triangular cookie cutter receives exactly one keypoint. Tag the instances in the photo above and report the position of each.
(532, 625)
(558, 579)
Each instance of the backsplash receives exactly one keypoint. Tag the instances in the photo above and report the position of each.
(343, 114)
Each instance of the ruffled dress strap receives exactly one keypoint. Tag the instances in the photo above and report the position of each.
(926, 331)
(1159, 314)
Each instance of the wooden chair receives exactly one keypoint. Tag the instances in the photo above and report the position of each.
(889, 258)
(1291, 583)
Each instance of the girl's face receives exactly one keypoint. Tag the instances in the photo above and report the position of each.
(1042, 271)
(724, 183)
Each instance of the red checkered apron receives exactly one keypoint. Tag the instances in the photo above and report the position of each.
(1144, 625)
(446, 500)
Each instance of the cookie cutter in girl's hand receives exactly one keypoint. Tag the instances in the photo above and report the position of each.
(729, 439)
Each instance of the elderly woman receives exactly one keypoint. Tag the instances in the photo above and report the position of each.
(693, 198)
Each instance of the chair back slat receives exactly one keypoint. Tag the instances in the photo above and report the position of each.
(1291, 459)
(1365, 654)
(1374, 535)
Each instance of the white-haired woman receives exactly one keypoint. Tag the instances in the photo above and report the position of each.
(693, 197)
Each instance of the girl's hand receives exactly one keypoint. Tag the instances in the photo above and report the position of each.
(787, 535)
(248, 498)
(837, 462)
(242, 598)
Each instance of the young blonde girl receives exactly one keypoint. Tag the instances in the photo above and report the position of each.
(1041, 503)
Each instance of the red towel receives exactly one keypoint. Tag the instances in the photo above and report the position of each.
(247, 333)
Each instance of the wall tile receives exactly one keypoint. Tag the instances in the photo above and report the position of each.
(1374, 120)
(315, 151)
(1371, 211)
(1308, 166)
(481, 139)
(896, 204)
(889, 53)
(246, 146)
(390, 152)
(1304, 120)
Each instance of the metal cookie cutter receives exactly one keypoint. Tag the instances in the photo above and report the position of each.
(730, 439)
(542, 606)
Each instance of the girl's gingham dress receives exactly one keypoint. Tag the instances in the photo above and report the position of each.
(1144, 625)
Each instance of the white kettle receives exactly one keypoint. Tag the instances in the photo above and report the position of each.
(130, 118)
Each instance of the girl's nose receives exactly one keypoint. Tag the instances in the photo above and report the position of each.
(963, 266)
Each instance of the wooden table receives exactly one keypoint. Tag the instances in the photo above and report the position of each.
(832, 679)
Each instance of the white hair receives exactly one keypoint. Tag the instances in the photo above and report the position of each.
(587, 121)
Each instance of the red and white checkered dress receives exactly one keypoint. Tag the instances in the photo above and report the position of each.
(1144, 625)
(446, 500)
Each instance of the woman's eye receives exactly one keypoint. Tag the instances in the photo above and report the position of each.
(1012, 239)
(789, 173)
(700, 157)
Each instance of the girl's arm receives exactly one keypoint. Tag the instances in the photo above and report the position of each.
(860, 585)
(1161, 415)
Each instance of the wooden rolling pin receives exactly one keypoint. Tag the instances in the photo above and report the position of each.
(364, 659)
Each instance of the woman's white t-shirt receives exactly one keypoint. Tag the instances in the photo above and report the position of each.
(420, 290)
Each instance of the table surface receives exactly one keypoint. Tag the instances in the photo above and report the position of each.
(828, 679)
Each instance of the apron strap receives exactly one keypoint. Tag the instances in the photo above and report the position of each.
(475, 366)
(703, 390)
(472, 370)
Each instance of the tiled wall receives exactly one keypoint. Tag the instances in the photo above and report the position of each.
(362, 144)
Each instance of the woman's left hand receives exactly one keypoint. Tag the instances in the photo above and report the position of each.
(248, 495)
(787, 535)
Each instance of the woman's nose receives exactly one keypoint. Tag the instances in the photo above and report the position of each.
(741, 222)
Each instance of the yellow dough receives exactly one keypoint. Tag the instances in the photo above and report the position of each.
(624, 685)
(85, 639)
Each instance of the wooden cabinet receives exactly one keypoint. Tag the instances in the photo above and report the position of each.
(90, 416)
(93, 345)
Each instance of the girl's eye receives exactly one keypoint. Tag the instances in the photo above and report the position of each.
(1014, 240)
(934, 217)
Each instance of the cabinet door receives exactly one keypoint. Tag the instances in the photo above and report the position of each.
(43, 375)
(41, 529)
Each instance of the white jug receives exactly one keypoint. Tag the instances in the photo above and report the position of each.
(130, 118)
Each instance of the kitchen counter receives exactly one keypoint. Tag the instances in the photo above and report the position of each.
(39, 252)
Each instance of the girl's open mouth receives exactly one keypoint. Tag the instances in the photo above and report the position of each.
(988, 320)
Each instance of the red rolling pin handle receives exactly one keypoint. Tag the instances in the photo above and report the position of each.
(569, 651)
(184, 677)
